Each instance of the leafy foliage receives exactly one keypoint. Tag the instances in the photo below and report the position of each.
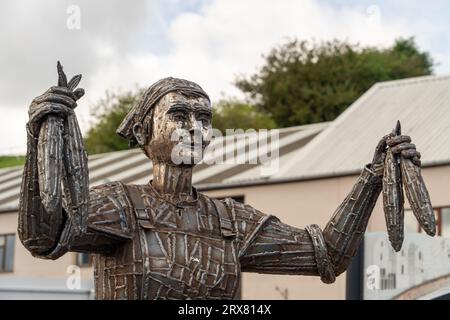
(232, 113)
(109, 113)
(303, 82)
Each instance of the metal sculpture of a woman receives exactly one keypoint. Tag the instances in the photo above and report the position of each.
(165, 240)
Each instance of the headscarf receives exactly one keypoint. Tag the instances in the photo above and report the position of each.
(151, 96)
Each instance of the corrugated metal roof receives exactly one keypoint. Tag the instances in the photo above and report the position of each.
(421, 104)
(132, 166)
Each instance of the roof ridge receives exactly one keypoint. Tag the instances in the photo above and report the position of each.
(303, 152)
(412, 80)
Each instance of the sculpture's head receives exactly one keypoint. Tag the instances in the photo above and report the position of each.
(171, 123)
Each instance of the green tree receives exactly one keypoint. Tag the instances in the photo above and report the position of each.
(233, 113)
(108, 114)
(302, 82)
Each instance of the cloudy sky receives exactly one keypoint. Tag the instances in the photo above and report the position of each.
(118, 45)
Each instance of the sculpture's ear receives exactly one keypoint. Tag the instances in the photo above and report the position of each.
(139, 134)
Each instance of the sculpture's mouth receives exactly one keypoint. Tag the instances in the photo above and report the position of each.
(187, 154)
(190, 140)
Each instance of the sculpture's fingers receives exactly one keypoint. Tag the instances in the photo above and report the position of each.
(61, 90)
(409, 153)
(56, 98)
(416, 161)
(50, 107)
(78, 93)
(380, 150)
(395, 140)
(381, 146)
(403, 146)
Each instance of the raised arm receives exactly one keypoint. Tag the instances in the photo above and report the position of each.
(48, 231)
(39, 229)
(274, 247)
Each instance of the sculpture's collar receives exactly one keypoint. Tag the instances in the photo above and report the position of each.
(172, 200)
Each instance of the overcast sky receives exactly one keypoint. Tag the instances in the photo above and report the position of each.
(122, 44)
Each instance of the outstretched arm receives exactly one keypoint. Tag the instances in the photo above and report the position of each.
(275, 247)
(282, 249)
(345, 230)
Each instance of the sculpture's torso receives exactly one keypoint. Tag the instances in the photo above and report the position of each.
(173, 253)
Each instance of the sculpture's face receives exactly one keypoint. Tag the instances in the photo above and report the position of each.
(181, 129)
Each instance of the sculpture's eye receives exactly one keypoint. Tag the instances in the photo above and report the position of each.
(179, 117)
(205, 119)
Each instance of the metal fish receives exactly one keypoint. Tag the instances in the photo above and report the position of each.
(60, 147)
(393, 199)
(50, 156)
(76, 177)
(418, 196)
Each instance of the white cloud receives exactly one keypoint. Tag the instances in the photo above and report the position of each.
(227, 38)
(123, 44)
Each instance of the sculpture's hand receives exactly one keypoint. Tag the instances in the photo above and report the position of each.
(399, 145)
(402, 145)
(58, 100)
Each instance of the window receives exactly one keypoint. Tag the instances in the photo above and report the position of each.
(84, 260)
(7, 252)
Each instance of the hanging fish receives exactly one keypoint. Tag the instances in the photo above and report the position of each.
(418, 196)
(393, 199)
(60, 147)
(50, 156)
(76, 175)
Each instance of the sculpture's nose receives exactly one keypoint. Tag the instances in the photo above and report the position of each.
(194, 124)
(195, 131)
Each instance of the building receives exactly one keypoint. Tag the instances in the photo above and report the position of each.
(317, 166)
